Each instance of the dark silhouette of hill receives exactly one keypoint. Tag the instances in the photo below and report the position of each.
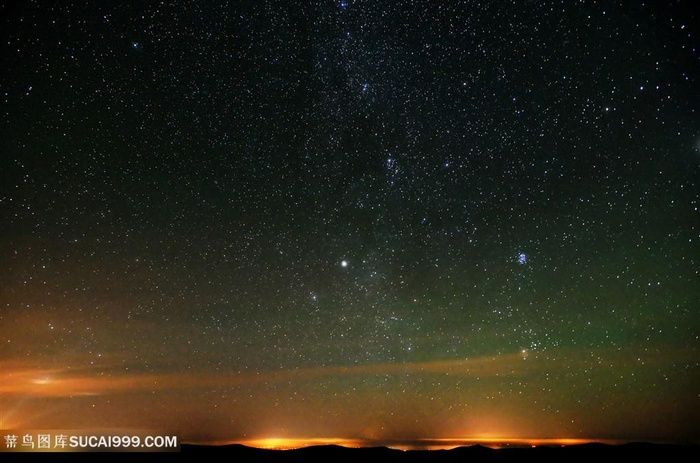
(335, 454)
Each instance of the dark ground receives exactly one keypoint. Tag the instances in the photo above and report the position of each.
(334, 454)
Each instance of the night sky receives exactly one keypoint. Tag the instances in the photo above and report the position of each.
(369, 220)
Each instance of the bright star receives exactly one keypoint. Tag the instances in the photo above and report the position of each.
(344, 263)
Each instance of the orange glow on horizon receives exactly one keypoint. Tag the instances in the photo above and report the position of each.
(285, 443)
(289, 443)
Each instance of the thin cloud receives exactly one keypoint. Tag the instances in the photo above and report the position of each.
(57, 382)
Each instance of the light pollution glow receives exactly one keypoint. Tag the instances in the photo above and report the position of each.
(39, 394)
(282, 443)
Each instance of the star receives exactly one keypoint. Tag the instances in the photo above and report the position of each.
(344, 263)
(522, 258)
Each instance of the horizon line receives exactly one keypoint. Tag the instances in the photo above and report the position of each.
(425, 443)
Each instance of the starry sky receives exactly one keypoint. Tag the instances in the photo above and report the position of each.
(351, 219)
